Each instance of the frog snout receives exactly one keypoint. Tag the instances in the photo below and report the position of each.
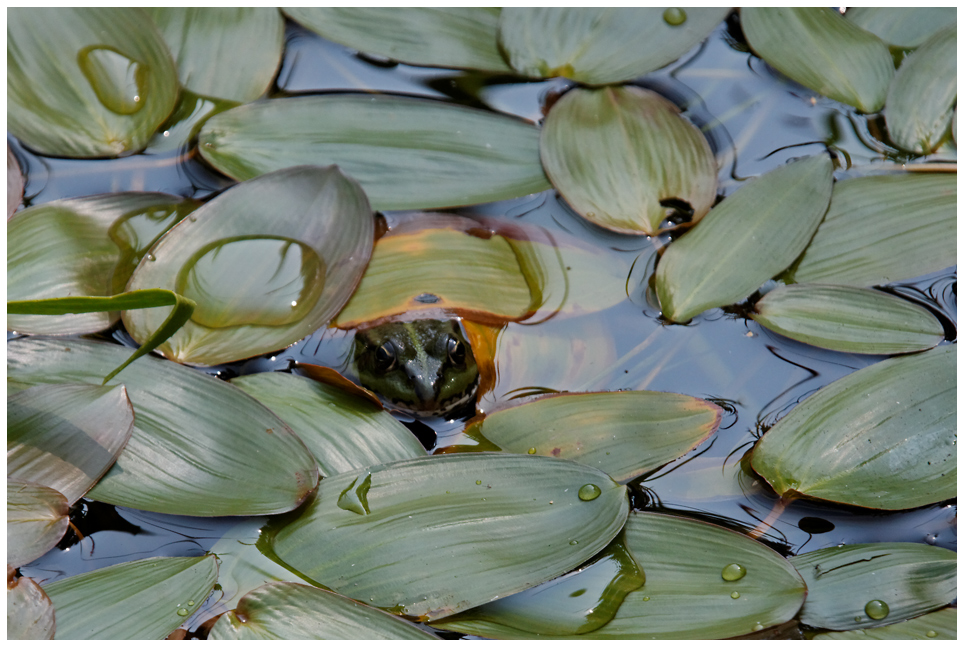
(423, 382)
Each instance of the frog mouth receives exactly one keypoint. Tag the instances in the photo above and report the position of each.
(433, 408)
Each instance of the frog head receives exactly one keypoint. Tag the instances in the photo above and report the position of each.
(424, 367)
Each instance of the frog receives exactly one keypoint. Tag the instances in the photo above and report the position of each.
(421, 367)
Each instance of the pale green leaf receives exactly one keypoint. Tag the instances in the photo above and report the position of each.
(30, 614)
(934, 625)
(15, 182)
(37, 518)
(902, 26)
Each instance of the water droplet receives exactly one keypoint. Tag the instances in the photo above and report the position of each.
(119, 82)
(757, 627)
(733, 572)
(858, 619)
(190, 603)
(183, 612)
(427, 298)
(355, 499)
(590, 214)
(931, 634)
(531, 451)
(150, 257)
(589, 492)
(646, 598)
(574, 542)
(674, 16)
(876, 609)
(735, 595)
(478, 482)
(931, 538)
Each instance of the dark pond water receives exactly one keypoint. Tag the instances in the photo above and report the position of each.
(755, 120)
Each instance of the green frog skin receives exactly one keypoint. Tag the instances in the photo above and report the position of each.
(423, 367)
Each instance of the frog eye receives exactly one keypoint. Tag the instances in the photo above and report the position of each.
(456, 351)
(385, 357)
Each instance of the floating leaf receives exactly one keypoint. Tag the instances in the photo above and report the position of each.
(83, 246)
(37, 518)
(851, 320)
(922, 96)
(935, 625)
(744, 241)
(577, 602)
(15, 182)
(260, 284)
(848, 585)
(66, 437)
(86, 82)
(294, 611)
(851, 442)
(343, 431)
(432, 536)
(132, 600)
(588, 44)
(902, 26)
(199, 446)
(624, 434)
(818, 48)
(200, 36)
(30, 614)
(448, 37)
(881, 229)
(622, 156)
(406, 153)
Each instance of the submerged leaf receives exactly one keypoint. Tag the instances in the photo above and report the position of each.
(851, 442)
(37, 518)
(30, 614)
(902, 26)
(86, 82)
(620, 156)
(847, 319)
(406, 153)
(744, 241)
(133, 600)
(448, 37)
(818, 48)
(848, 585)
(430, 537)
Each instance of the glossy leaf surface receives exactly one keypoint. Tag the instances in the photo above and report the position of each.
(881, 229)
(902, 26)
(343, 431)
(818, 48)
(851, 443)
(934, 625)
(30, 615)
(260, 283)
(617, 154)
(624, 434)
(199, 446)
(85, 246)
(744, 241)
(406, 153)
(448, 37)
(36, 521)
(588, 44)
(848, 319)
(294, 611)
(199, 37)
(909, 578)
(133, 600)
(66, 436)
(923, 94)
(433, 536)
(86, 82)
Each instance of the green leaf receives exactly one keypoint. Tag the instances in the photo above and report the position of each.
(133, 600)
(851, 442)
(260, 283)
(432, 536)
(625, 434)
(86, 82)
(922, 96)
(448, 37)
(406, 153)
(147, 298)
(748, 238)
(589, 44)
(199, 446)
(37, 518)
(818, 48)
(66, 437)
(851, 320)
(902, 26)
(30, 615)
(343, 431)
(909, 578)
(618, 154)
(82, 247)
(294, 611)
(881, 229)
(199, 38)
(935, 625)
(15, 182)
(575, 603)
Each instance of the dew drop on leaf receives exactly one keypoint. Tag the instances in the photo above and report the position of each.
(589, 492)
(733, 572)
(876, 609)
(118, 82)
